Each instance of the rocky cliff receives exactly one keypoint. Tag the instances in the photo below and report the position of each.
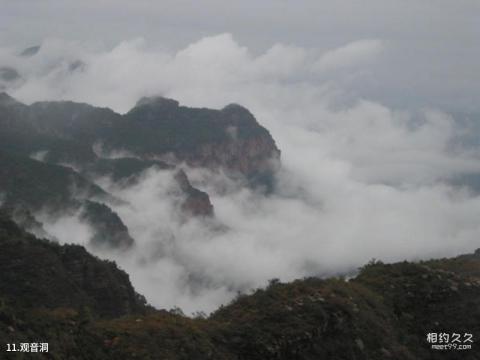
(195, 202)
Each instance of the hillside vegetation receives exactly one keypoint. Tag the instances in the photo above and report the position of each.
(86, 308)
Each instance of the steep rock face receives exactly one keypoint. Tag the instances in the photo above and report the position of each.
(109, 229)
(38, 273)
(196, 202)
(230, 138)
(255, 158)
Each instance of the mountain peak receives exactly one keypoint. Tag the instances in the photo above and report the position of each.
(237, 111)
(157, 101)
(238, 114)
(234, 107)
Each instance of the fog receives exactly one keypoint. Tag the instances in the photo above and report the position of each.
(360, 177)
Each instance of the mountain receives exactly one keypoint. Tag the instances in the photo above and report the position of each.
(155, 129)
(52, 154)
(36, 184)
(86, 308)
(230, 138)
(28, 186)
(42, 274)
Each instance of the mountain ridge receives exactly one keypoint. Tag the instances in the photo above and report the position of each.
(385, 312)
(50, 158)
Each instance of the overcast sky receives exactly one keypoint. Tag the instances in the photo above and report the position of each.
(430, 54)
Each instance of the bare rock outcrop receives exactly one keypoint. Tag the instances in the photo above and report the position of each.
(196, 202)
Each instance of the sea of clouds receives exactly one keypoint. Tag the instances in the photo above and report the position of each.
(359, 180)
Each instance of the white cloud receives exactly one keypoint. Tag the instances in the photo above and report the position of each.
(359, 179)
(430, 58)
(356, 54)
